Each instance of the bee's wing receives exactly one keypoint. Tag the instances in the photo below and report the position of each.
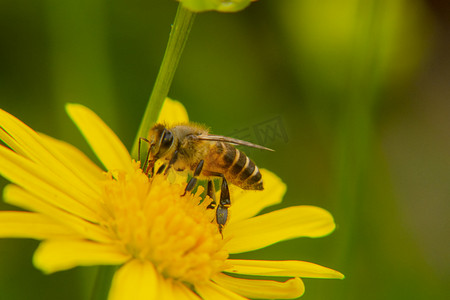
(219, 138)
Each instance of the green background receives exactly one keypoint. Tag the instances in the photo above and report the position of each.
(362, 89)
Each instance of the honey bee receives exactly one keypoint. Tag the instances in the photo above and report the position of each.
(191, 148)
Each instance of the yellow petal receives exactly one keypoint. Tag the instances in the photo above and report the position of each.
(15, 195)
(169, 289)
(135, 280)
(75, 160)
(213, 291)
(42, 182)
(276, 226)
(15, 224)
(262, 289)
(23, 140)
(183, 292)
(57, 255)
(166, 289)
(247, 204)
(287, 268)
(172, 112)
(103, 141)
(29, 144)
(5, 134)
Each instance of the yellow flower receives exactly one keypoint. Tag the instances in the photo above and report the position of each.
(167, 245)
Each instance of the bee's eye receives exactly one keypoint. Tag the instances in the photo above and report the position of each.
(167, 140)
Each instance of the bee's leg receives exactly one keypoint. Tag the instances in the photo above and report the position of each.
(211, 192)
(172, 161)
(144, 166)
(191, 184)
(150, 171)
(224, 204)
(161, 169)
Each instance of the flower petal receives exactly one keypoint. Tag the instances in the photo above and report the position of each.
(262, 289)
(103, 141)
(276, 226)
(247, 204)
(42, 182)
(15, 195)
(57, 255)
(26, 142)
(7, 126)
(75, 160)
(23, 140)
(169, 289)
(213, 291)
(287, 268)
(15, 224)
(135, 280)
(183, 292)
(172, 112)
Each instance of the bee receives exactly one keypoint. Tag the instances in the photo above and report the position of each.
(191, 148)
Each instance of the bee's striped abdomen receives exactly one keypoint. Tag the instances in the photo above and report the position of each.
(239, 169)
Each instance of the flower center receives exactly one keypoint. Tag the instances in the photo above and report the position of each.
(150, 220)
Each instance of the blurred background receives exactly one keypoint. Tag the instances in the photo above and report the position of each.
(353, 95)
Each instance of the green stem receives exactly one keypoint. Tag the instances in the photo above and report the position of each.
(177, 40)
(103, 282)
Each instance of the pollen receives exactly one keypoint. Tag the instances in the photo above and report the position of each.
(150, 220)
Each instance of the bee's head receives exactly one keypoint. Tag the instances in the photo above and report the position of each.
(161, 140)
